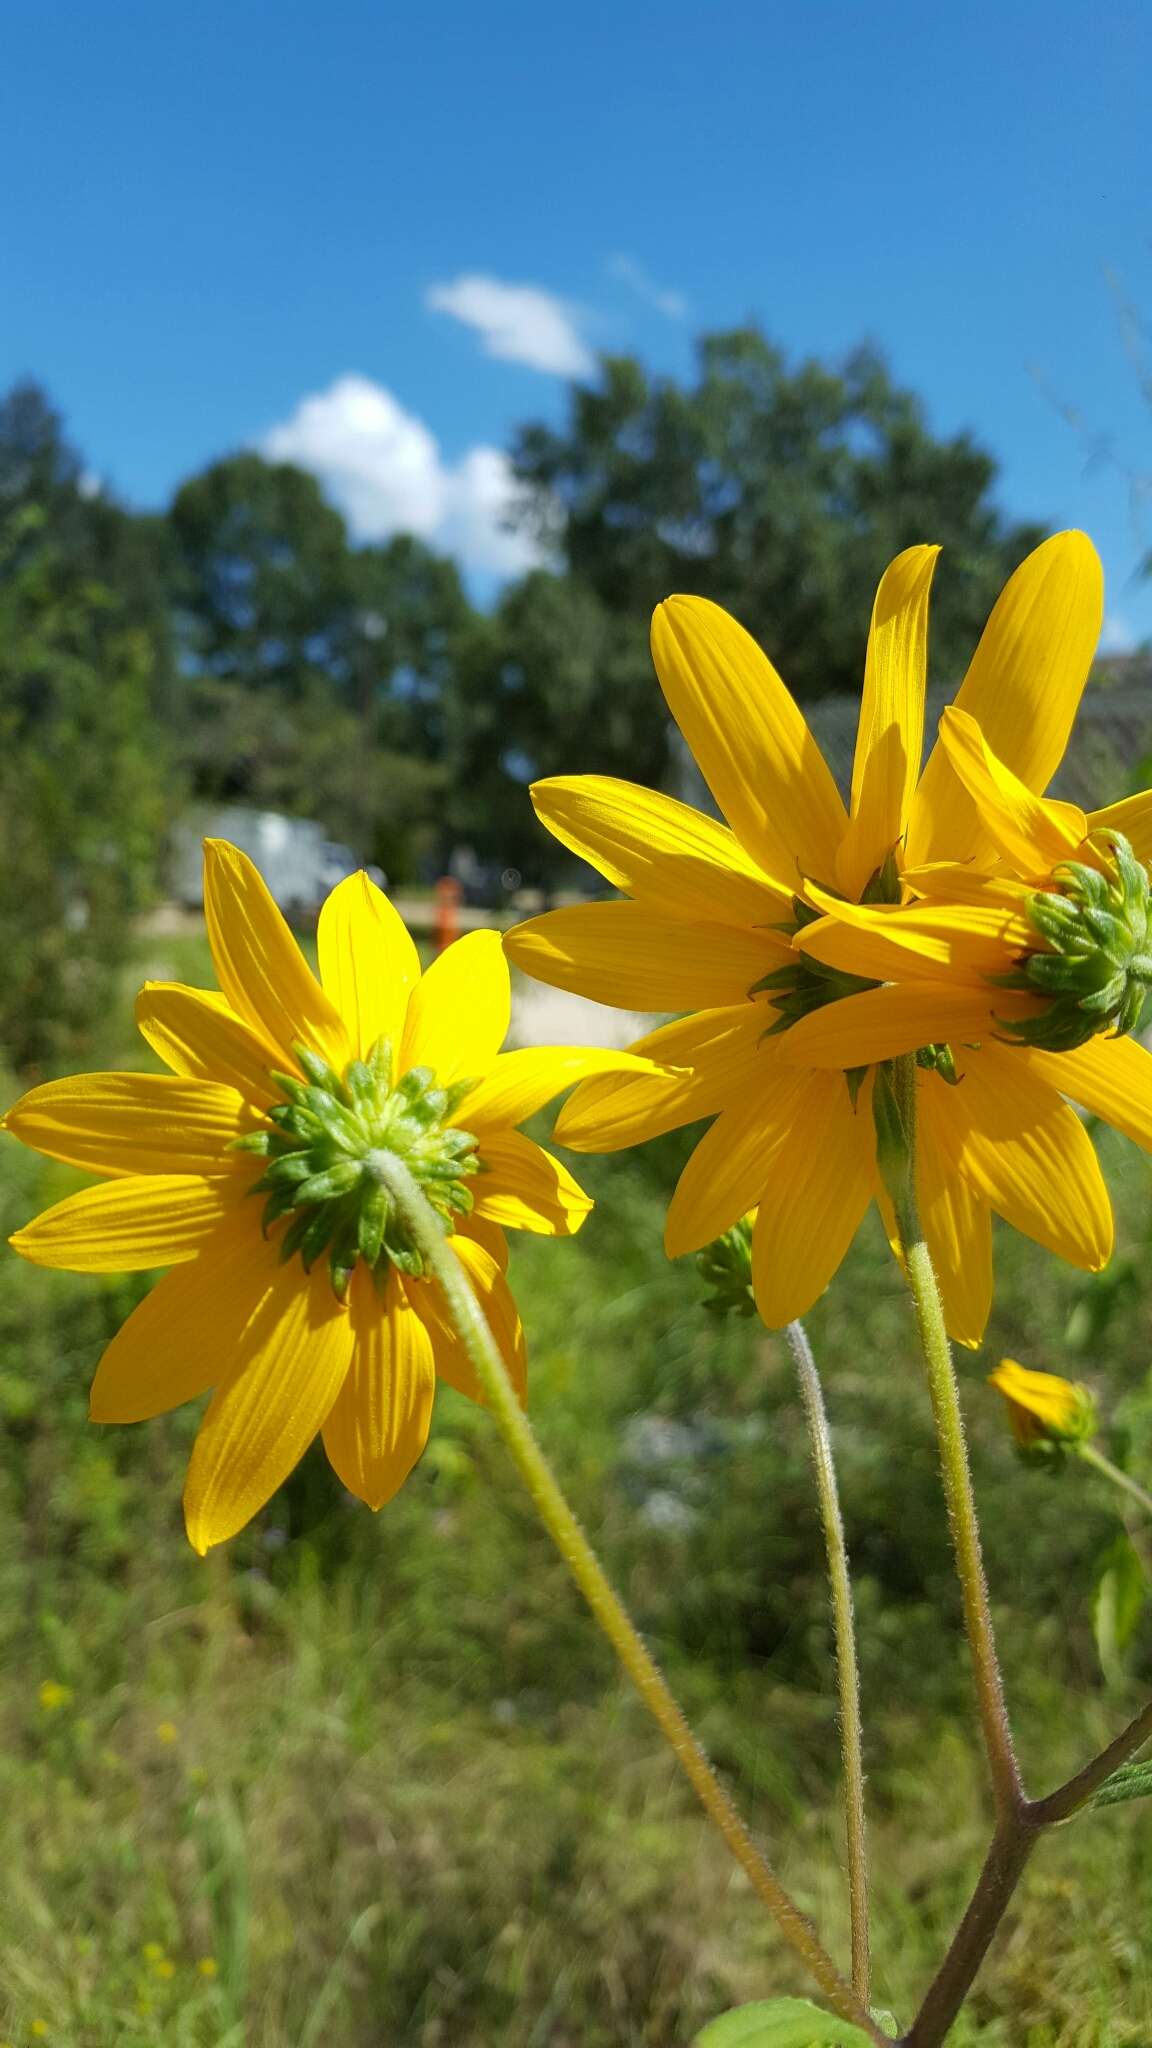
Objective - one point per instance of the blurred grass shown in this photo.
(377, 1775)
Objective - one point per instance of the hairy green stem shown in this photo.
(847, 1668)
(427, 1232)
(1068, 1799)
(1092, 1456)
(944, 1394)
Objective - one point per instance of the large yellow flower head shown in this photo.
(296, 1293)
(751, 926)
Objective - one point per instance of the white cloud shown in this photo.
(518, 322)
(385, 470)
(1117, 636)
(673, 305)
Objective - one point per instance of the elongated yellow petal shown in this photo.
(722, 1052)
(1110, 1077)
(727, 1172)
(130, 1225)
(283, 1373)
(820, 1183)
(368, 962)
(519, 1083)
(521, 1187)
(890, 737)
(953, 881)
(197, 1033)
(133, 1123)
(638, 959)
(901, 1017)
(181, 1339)
(750, 739)
(377, 1426)
(1026, 1154)
(495, 1297)
(922, 941)
(1023, 689)
(1133, 817)
(260, 967)
(664, 853)
(1031, 832)
(459, 1011)
(957, 1224)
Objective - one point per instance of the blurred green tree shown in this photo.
(779, 491)
(82, 791)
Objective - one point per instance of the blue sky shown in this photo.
(299, 221)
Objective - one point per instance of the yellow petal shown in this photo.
(130, 1225)
(377, 1426)
(283, 1373)
(496, 1299)
(1110, 1077)
(260, 967)
(1026, 1154)
(822, 1175)
(181, 1339)
(519, 1083)
(459, 1011)
(488, 1236)
(664, 853)
(921, 941)
(729, 1168)
(901, 1017)
(890, 737)
(722, 1052)
(638, 959)
(953, 881)
(521, 1187)
(957, 1224)
(1023, 689)
(1031, 832)
(750, 740)
(1054, 1401)
(368, 962)
(1133, 817)
(197, 1033)
(133, 1123)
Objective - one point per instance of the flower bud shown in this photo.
(1096, 925)
(1046, 1412)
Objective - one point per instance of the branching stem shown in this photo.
(427, 1232)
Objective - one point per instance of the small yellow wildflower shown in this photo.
(208, 1967)
(39, 2028)
(739, 924)
(1042, 1407)
(315, 1316)
(152, 1951)
(165, 1968)
(167, 1732)
(53, 1696)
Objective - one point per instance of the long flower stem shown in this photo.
(428, 1233)
(1092, 1456)
(944, 1394)
(847, 1668)
(1068, 1799)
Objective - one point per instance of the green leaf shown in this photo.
(1131, 1781)
(1117, 1603)
(780, 2023)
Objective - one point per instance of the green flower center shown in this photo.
(324, 1140)
(1096, 968)
(805, 984)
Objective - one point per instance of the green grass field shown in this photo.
(375, 1781)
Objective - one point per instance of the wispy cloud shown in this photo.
(1118, 637)
(519, 323)
(385, 470)
(626, 270)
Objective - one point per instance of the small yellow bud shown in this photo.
(39, 2028)
(152, 1951)
(1042, 1407)
(165, 1968)
(53, 1696)
(208, 1966)
(167, 1732)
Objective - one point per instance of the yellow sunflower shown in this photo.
(1043, 1407)
(296, 1293)
(719, 918)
